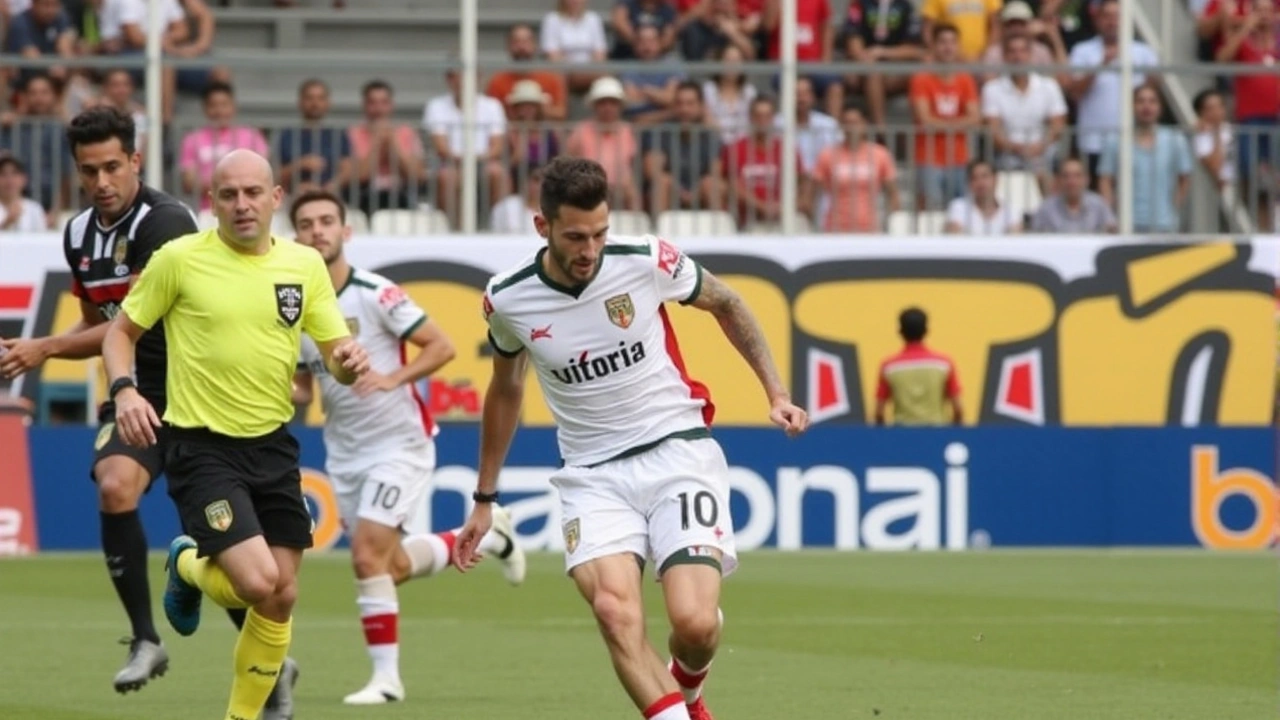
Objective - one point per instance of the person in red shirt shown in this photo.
(1257, 104)
(753, 168)
(947, 110)
(1219, 18)
(815, 43)
(919, 383)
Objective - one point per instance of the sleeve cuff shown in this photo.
(504, 353)
(697, 283)
(413, 328)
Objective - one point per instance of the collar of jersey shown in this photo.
(572, 292)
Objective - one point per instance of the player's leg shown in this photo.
(606, 540)
(123, 474)
(262, 669)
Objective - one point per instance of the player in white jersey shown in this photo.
(379, 443)
(642, 478)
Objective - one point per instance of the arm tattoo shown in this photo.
(743, 331)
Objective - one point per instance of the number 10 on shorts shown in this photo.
(701, 507)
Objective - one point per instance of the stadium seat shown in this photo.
(1020, 189)
(630, 222)
(63, 218)
(206, 220)
(281, 225)
(686, 223)
(423, 221)
(905, 222)
(358, 221)
(803, 227)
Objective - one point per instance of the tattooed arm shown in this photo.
(743, 331)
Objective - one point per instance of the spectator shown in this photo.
(753, 166)
(1072, 18)
(976, 23)
(631, 15)
(313, 155)
(1161, 168)
(203, 148)
(814, 130)
(1214, 141)
(514, 213)
(946, 109)
(606, 138)
(1097, 93)
(651, 87)
(36, 136)
(728, 96)
(1219, 18)
(682, 163)
(533, 144)
(117, 92)
(574, 35)
(193, 38)
(980, 212)
(18, 213)
(42, 30)
(815, 43)
(390, 161)
(122, 26)
(522, 47)
(713, 26)
(854, 174)
(1074, 208)
(1025, 113)
(876, 31)
(442, 119)
(918, 382)
(1017, 19)
(1257, 97)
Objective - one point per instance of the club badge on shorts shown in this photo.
(572, 534)
(621, 311)
(289, 303)
(219, 515)
(104, 434)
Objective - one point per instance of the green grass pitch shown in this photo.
(995, 635)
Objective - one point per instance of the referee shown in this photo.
(234, 302)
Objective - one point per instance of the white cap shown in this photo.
(605, 88)
(1017, 10)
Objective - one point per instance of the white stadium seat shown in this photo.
(630, 222)
(206, 220)
(905, 222)
(1020, 189)
(687, 223)
(358, 221)
(422, 221)
(803, 227)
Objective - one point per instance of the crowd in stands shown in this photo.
(1005, 151)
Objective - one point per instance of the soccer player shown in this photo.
(379, 443)
(106, 247)
(642, 478)
(234, 301)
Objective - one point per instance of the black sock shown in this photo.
(237, 616)
(125, 545)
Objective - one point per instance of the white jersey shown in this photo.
(358, 431)
(605, 354)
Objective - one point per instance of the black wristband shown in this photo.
(120, 384)
(485, 497)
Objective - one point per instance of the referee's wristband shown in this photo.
(120, 384)
(485, 497)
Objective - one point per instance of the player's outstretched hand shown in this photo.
(353, 357)
(466, 548)
(790, 417)
(136, 419)
(18, 355)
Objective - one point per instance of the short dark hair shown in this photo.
(214, 88)
(690, 86)
(309, 83)
(316, 195)
(945, 28)
(913, 324)
(100, 124)
(7, 160)
(763, 99)
(42, 77)
(577, 182)
(376, 85)
(1202, 97)
(973, 166)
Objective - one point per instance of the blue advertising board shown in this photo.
(843, 487)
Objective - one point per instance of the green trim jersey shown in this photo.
(605, 353)
(363, 431)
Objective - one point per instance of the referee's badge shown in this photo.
(621, 311)
(104, 434)
(289, 303)
(219, 515)
(572, 534)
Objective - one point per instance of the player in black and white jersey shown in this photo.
(106, 248)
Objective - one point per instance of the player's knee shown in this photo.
(696, 626)
(285, 596)
(257, 586)
(118, 491)
(621, 619)
(369, 561)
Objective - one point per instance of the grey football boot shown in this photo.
(147, 661)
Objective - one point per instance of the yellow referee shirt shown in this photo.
(233, 324)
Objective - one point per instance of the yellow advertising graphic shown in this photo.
(1153, 334)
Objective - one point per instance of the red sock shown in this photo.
(690, 682)
(380, 629)
(450, 538)
(667, 707)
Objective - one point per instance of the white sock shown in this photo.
(428, 553)
(671, 707)
(380, 614)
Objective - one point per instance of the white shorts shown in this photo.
(392, 492)
(665, 504)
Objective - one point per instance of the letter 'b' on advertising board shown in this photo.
(1211, 487)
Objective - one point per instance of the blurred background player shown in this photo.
(379, 448)
(919, 383)
(642, 478)
(235, 302)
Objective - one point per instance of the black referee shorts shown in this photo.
(109, 443)
(228, 490)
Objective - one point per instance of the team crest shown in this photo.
(104, 434)
(572, 534)
(621, 311)
(289, 303)
(219, 515)
(353, 324)
(122, 251)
